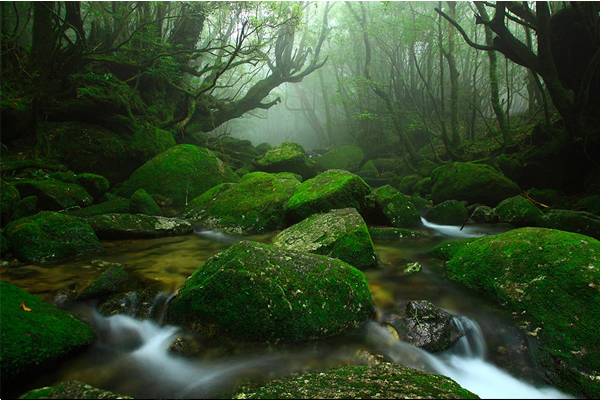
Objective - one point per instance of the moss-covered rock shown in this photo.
(407, 184)
(549, 197)
(237, 153)
(449, 212)
(340, 234)
(446, 251)
(347, 158)
(49, 237)
(475, 183)
(35, 334)
(368, 170)
(54, 195)
(550, 279)
(590, 204)
(106, 284)
(9, 197)
(137, 226)
(181, 173)
(71, 390)
(518, 211)
(142, 203)
(287, 157)
(330, 190)
(259, 292)
(385, 380)
(25, 207)
(393, 208)
(263, 147)
(484, 214)
(116, 205)
(423, 187)
(96, 185)
(573, 221)
(254, 205)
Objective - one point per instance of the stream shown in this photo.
(132, 357)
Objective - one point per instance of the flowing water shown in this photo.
(133, 357)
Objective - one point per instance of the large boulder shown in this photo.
(573, 221)
(449, 212)
(235, 152)
(54, 195)
(142, 203)
(96, 185)
(137, 226)
(393, 208)
(340, 234)
(181, 173)
(518, 211)
(9, 197)
(253, 205)
(347, 158)
(475, 183)
(116, 205)
(384, 380)
(50, 237)
(287, 157)
(549, 278)
(35, 334)
(258, 292)
(330, 190)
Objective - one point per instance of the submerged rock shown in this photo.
(449, 212)
(254, 205)
(393, 208)
(258, 292)
(137, 226)
(35, 334)
(385, 380)
(50, 237)
(71, 390)
(181, 173)
(286, 157)
(106, 284)
(340, 234)
(550, 279)
(330, 190)
(475, 183)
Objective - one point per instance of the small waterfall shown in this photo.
(454, 231)
(472, 344)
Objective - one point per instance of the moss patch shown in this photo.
(258, 292)
(518, 211)
(54, 195)
(142, 203)
(137, 226)
(449, 212)
(287, 157)
(71, 390)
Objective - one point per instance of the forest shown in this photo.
(300, 199)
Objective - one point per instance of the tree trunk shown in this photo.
(450, 57)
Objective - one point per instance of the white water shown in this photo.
(146, 367)
(455, 231)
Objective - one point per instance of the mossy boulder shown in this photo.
(407, 184)
(449, 212)
(50, 237)
(181, 173)
(71, 390)
(368, 170)
(116, 205)
(347, 158)
(263, 147)
(423, 187)
(286, 157)
(253, 205)
(549, 278)
(475, 183)
(548, 197)
(96, 185)
(484, 214)
(142, 203)
(257, 292)
(384, 380)
(25, 207)
(35, 334)
(393, 208)
(330, 190)
(137, 226)
(518, 211)
(573, 221)
(340, 234)
(590, 204)
(9, 197)
(235, 152)
(54, 195)
(106, 284)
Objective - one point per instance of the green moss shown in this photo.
(447, 250)
(287, 157)
(394, 208)
(590, 203)
(423, 186)
(385, 380)
(368, 170)
(149, 141)
(36, 339)
(94, 184)
(9, 197)
(117, 205)
(518, 211)
(254, 205)
(71, 390)
(48, 237)
(137, 226)
(550, 278)
(106, 284)
(330, 190)
(54, 195)
(142, 203)
(573, 221)
(475, 183)
(347, 158)
(258, 292)
(25, 207)
(449, 212)
(181, 173)
(407, 183)
(340, 234)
